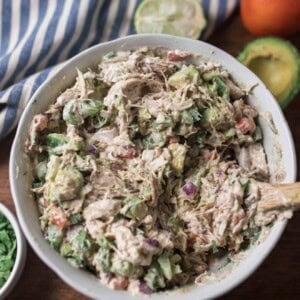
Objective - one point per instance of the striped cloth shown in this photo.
(37, 36)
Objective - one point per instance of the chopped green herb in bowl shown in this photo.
(12, 251)
(8, 249)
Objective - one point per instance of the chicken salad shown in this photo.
(147, 167)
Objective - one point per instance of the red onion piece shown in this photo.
(92, 149)
(152, 242)
(144, 288)
(190, 189)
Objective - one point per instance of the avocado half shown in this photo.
(277, 63)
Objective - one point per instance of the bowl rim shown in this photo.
(219, 290)
(20, 255)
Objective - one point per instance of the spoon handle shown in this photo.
(288, 197)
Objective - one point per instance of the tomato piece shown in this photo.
(119, 283)
(177, 55)
(191, 239)
(129, 153)
(57, 216)
(40, 122)
(172, 140)
(237, 217)
(245, 125)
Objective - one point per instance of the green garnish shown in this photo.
(8, 249)
(245, 183)
(252, 234)
(214, 247)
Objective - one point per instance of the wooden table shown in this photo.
(277, 278)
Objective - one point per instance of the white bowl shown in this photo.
(20, 180)
(20, 256)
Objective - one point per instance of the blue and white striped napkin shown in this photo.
(36, 36)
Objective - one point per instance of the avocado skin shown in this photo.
(278, 44)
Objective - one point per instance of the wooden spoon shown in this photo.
(279, 196)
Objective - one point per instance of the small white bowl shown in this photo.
(20, 256)
(279, 149)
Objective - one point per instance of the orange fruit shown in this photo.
(271, 17)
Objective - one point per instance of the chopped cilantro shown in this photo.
(8, 247)
(214, 247)
(245, 184)
(195, 113)
(252, 234)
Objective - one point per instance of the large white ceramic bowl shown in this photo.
(20, 179)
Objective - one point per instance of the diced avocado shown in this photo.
(187, 118)
(125, 268)
(219, 115)
(75, 218)
(134, 208)
(76, 249)
(165, 265)
(67, 185)
(154, 277)
(222, 88)
(52, 167)
(71, 114)
(155, 139)
(169, 265)
(277, 63)
(143, 114)
(122, 267)
(58, 142)
(143, 120)
(191, 115)
(103, 256)
(89, 107)
(185, 75)
(66, 249)
(81, 242)
(229, 133)
(77, 261)
(162, 122)
(76, 143)
(209, 75)
(54, 236)
(56, 139)
(75, 111)
(178, 152)
(175, 223)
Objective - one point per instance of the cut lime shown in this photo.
(175, 17)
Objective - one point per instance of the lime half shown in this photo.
(175, 17)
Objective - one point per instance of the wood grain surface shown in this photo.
(277, 278)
